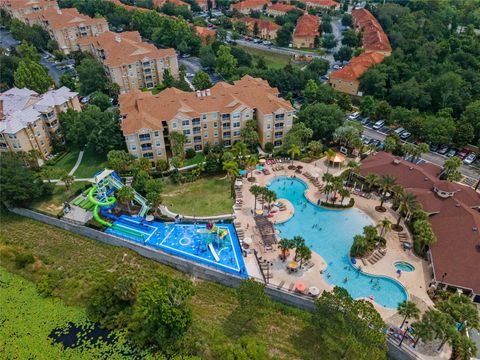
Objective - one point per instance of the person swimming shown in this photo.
(345, 280)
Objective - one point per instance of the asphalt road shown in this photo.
(193, 66)
(434, 158)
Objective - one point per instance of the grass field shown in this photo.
(273, 60)
(53, 203)
(204, 197)
(81, 262)
(91, 163)
(199, 157)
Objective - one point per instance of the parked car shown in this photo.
(267, 43)
(379, 124)
(470, 159)
(336, 67)
(325, 77)
(189, 75)
(451, 152)
(375, 142)
(462, 154)
(257, 41)
(185, 56)
(434, 147)
(443, 149)
(366, 140)
(398, 131)
(353, 116)
(365, 120)
(405, 135)
(85, 99)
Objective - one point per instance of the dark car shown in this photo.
(405, 135)
(452, 152)
(443, 149)
(375, 142)
(434, 147)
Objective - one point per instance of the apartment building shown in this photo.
(321, 4)
(306, 31)
(19, 9)
(129, 61)
(347, 80)
(207, 35)
(213, 116)
(159, 3)
(280, 9)
(204, 4)
(67, 26)
(247, 6)
(265, 29)
(27, 118)
(374, 38)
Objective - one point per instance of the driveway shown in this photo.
(193, 66)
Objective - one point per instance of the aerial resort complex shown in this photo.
(239, 179)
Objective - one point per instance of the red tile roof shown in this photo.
(307, 26)
(455, 220)
(323, 3)
(282, 7)
(374, 38)
(203, 32)
(357, 66)
(249, 4)
(262, 24)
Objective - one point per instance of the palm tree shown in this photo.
(463, 348)
(343, 193)
(353, 167)
(67, 180)
(329, 154)
(450, 168)
(31, 158)
(251, 163)
(421, 149)
(297, 242)
(409, 310)
(337, 184)
(231, 167)
(398, 190)
(327, 178)
(270, 196)
(256, 191)
(386, 226)
(372, 180)
(240, 149)
(294, 151)
(125, 195)
(423, 331)
(284, 245)
(386, 185)
(154, 199)
(304, 253)
(407, 203)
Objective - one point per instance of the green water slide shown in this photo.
(109, 201)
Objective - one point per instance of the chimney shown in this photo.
(199, 93)
(203, 93)
(59, 12)
(208, 92)
(118, 39)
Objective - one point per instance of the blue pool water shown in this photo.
(404, 266)
(189, 241)
(332, 238)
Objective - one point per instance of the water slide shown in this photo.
(214, 253)
(108, 202)
(138, 198)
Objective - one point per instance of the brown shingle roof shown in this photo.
(65, 18)
(374, 38)
(357, 66)
(145, 110)
(307, 26)
(249, 4)
(455, 220)
(125, 48)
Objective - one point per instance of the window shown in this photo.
(198, 147)
(157, 133)
(236, 124)
(268, 136)
(228, 143)
(144, 137)
(149, 85)
(186, 132)
(12, 136)
(196, 121)
(225, 117)
(236, 115)
(133, 147)
(147, 146)
(214, 115)
(236, 133)
(158, 143)
(204, 116)
(215, 124)
(215, 133)
(148, 155)
(226, 134)
(130, 137)
(197, 139)
(205, 125)
(185, 122)
(174, 125)
(159, 152)
(269, 126)
(247, 115)
(205, 135)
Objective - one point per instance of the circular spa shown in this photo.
(330, 233)
(404, 266)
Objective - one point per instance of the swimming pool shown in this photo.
(404, 266)
(191, 241)
(330, 233)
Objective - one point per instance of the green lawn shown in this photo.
(198, 158)
(91, 163)
(273, 60)
(67, 162)
(81, 261)
(28, 319)
(53, 203)
(204, 197)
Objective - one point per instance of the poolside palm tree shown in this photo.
(125, 195)
(463, 348)
(407, 203)
(409, 310)
(31, 157)
(329, 154)
(327, 178)
(231, 167)
(304, 253)
(240, 150)
(337, 184)
(297, 242)
(398, 191)
(256, 191)
(386, 185)
(423, 331)
(343, 193)
(68, 180)
(270, 196)
(294, 151)
(353, 167)
(327, 189)
(372, 180)
(251, 162)
(284, 245)
(386, 226)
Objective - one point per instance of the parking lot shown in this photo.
(375, 134)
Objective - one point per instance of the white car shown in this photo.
(189, 75)
(353, 116)
(470, 159)
(379, 124)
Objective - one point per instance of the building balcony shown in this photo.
(146, 148)
(144, 137)
(280, 117)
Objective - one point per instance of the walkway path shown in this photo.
(77, 164)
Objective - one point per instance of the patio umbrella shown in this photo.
(262, 161)
(292, 265)
(259, 212)
(149, 218)
(300, 286)
(238, 183)
(248, 240)
(242, 172)
(259, 168)
(313, 290)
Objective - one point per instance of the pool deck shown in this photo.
(416, 282)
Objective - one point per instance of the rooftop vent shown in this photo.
(474, 228)
(425, 178)
(208, 92)
(457, 204)
(396, 162)
(118, 39)
(199, 93)
(203, 93)
(411, 168)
